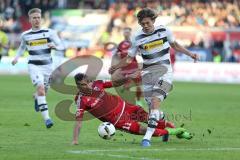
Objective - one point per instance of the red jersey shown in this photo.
(123, 48)
(100, 104)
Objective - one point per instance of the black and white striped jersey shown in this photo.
(154, 47)
(36, 42)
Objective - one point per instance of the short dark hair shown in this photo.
(34, 10)
(146, 12)
(79, 77)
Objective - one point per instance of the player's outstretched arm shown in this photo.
(124, 62)
(176, 46)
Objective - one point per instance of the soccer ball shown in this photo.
(106, 130)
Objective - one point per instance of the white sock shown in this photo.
(150, 129)
(42, 103)
(45, 115)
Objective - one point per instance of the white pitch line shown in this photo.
(155, 150)
(118, 156)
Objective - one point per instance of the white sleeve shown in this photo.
(56, 40)
(170, 36)
(132, 52)
(21, 48)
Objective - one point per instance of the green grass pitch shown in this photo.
(211, 111)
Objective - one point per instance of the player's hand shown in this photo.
(52, 46)
(195, 57)
(112, 69)
(14, 61)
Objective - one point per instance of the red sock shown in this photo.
(159, 132)
(170, 125)
(161, 124)
(135, 128)
(164, 124)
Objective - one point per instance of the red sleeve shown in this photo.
(107, 84)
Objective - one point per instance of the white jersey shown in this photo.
(36, 42)
(154, 47)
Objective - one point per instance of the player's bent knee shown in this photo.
(41, 90)
(41, 93)
(155, 101)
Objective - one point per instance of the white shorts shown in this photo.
(157, 82)
(40, 74)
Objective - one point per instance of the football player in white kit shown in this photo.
(39, 42)
(153, 42)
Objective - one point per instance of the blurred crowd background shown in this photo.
(210, 28)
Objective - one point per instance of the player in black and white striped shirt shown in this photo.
(39, 42)
(153, 42)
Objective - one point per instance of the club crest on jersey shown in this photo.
(153, 45)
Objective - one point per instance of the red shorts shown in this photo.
(131, 117)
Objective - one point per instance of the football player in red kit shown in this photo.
(120, 53)
(111, 108)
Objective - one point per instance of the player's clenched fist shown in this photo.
(195, 57)
(14, 62)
